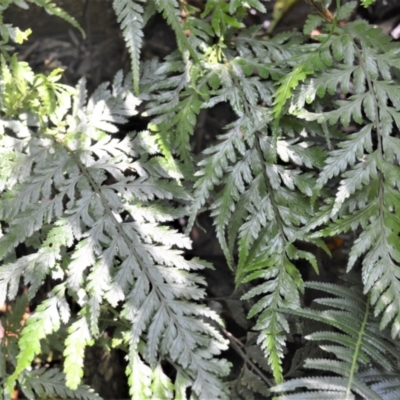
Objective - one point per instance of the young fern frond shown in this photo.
(353, 338)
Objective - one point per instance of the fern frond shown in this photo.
(26, 92)
(386, 384)
(47, 319)
(130, 17)
(257, 209)
(220, 18)
(52, 9)
(356, 344)
(174, 103)
(139, 377)
(256, 4)
(170, 11)
(79, 195)
(215, 166)
(367, 3)
(79, 337)
(51, 382)
(94, 211)
(285, 89)
(364, 160)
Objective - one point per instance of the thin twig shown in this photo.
(238, 349)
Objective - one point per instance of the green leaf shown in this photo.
(285, 89)
(367, 3)
(46, 320)
(79, 337)
(130, 17)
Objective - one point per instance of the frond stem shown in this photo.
(354, 363)
(274, 204)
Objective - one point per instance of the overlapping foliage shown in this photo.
(311, 152)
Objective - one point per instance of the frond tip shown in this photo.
(130, 17)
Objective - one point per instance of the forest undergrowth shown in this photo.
(90, 242)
